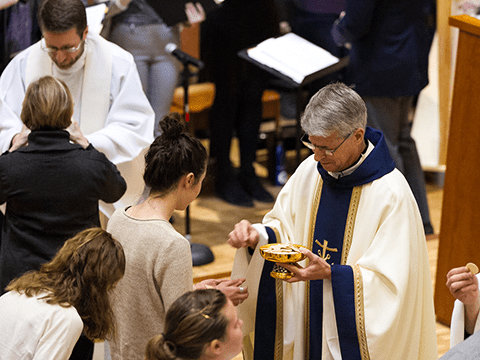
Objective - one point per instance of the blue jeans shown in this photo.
(158, 70)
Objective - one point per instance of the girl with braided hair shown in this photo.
(44, 311)
(200, 325)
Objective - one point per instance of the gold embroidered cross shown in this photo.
(325, 249)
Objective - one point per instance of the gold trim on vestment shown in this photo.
(279, 330)
(247, 351)
(347, 242)
(350, 224)
(313, 217)
(277, 234)
(360, 312)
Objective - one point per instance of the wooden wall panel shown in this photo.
(459, 237)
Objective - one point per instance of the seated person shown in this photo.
(44, 312)
(201, 324)
(51, 186)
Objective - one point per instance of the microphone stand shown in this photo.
(201, 254)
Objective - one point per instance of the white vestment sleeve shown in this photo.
(12, 92)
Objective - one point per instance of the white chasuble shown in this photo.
(378, 304)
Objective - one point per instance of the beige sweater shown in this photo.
(158, 271)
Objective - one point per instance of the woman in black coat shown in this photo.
(52, 185)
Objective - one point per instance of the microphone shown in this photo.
(183, 57)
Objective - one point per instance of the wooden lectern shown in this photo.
(459, 241)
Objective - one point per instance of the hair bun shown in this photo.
(170, 349)
(172, 126)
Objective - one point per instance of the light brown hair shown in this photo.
(193, 321)
(48, 104)
(80, 275)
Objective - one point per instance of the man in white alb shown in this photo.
(111, 109)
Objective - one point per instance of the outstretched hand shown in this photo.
(317, 268)
(463, 285)
(243, 235)
(232, 289)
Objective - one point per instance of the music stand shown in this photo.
(201, 254)
(285, 83)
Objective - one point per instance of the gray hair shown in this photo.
(334, 108)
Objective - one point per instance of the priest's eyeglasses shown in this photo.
(312, 147)
(53, 49)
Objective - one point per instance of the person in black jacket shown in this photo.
(390, 41)
(237, 109)
(52, 185)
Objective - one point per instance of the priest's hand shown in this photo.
(20, 139)
(76, 135)
(463, 285)
(317, 268)
(243, 235)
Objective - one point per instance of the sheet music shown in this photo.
(95, 15)
(293, 56)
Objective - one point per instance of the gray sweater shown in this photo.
(158, 271)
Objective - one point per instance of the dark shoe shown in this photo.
(428, 228)
(233, 193)
(255, 189)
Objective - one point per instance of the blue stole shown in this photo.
(328, 243)
(266, 314)
(330, 232)
(330, 227)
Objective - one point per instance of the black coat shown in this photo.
(51, 188)
(390, 41)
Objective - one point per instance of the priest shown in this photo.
(111, 109)
(364, 290)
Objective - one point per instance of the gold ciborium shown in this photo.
(281, 253)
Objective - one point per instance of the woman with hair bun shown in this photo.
(159, 260)
(44, 311)
(200, 325)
